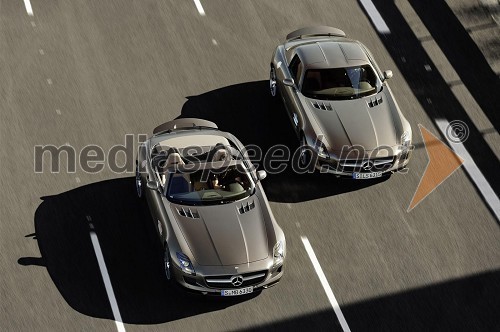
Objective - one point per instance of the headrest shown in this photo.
(174, 159)
(221, 155)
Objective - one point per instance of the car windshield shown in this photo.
(339, 83)
(215, 183)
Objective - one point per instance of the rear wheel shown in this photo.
(272, 82)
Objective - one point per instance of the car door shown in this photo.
(154, 199)
(290, 95)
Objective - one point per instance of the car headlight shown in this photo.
(406, 139)
(278, 253)
(185, 263)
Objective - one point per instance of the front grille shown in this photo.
(224, 281)
(361, 166)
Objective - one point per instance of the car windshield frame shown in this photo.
(204, 188)
(342, 83)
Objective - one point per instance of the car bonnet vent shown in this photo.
(245, 207)
(188, 213)
(375, 101)
(322, 105)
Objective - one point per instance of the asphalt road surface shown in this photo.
(90, 72)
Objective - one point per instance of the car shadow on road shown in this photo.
(466, 304)
(248, 111)
(133, 256)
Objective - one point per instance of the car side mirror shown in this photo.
(152, 185)
(261, 175)
(289, 82)
(387, 74)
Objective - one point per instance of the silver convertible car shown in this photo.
(209, 209)
(340, 105)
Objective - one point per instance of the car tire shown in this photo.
(167, 265)
(138, 182)
(305, 154)
(273, 85)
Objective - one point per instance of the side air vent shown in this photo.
(322, 106)
(375, 101)
(188, 213)
(246, 207)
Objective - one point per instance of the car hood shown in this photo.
(222, 234)
(356, 122)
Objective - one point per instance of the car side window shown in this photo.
(296, 68)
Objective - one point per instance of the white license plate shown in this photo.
(236, 292)
(360, 176)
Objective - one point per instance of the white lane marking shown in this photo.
(324, 283)
(474, 172)
(33, 24)
(214, 41)
(41, 51)
(427, 67)
(58, 111)
(49, 81)
(199, 7)
(375, 16)
(107, 281)
(29, 10)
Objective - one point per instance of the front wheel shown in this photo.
(305, 154)
(138, 183)
(167, 264)
(272, 82)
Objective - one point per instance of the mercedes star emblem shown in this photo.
(237, 280)
(367, 165)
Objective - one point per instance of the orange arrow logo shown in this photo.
(442, 163)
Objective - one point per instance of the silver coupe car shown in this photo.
(209, 209)
(340, 104)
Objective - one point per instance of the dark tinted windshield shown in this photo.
(205, 187)
(339, 83)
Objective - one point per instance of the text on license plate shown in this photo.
(236, 292)
(358, 176)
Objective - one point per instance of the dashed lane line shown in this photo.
(324, 283)
(105, 277)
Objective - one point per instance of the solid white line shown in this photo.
(199, 7)
(29, 10)
(474, 172)
(324, 283)
(375, 16)
(107, 282)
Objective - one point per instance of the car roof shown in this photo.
(331, 54)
